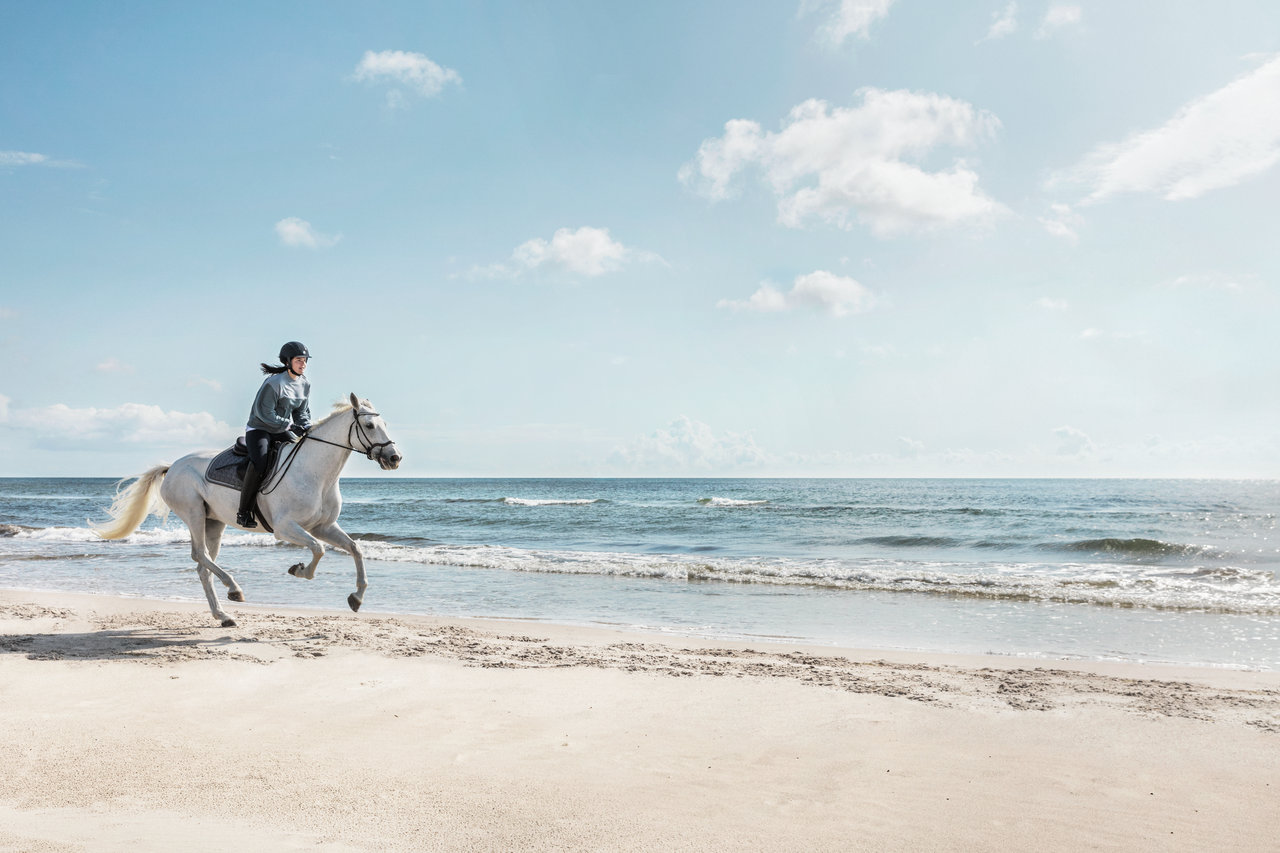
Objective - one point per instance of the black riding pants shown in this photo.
(259, 442)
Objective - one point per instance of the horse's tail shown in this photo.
(131, 506)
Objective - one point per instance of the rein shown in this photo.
(367, 446)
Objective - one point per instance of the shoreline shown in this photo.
(135, 724)
(196, 617)
(904, 654)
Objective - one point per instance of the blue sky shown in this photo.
(857, 238)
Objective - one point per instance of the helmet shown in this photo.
(292, 350)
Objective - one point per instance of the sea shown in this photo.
(1165, 571)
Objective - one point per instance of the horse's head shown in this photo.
(370, 435)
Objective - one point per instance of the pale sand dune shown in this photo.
(137, 725)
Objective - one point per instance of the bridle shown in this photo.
(356, 430)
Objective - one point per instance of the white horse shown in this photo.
(299, 498)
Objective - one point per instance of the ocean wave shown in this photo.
(1140, 548)
(1219, 590)
(150, 536)
(550, 501)
(728, 502)
(7, 530)
(913, 541)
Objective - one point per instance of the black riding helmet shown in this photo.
(292, 350)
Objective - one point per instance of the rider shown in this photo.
(280, 413)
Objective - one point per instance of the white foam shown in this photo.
(1110, 585)
(153, 536)
(729, 502)
(536, 502)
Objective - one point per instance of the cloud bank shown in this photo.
(60, 427)
(688, 446)
(844, 164)
(836, 295)
(1212, 142)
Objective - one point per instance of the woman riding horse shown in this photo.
(281, 412)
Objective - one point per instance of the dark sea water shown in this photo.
(1144, 570)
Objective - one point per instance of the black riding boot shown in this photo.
(249, 491)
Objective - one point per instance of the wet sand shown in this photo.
(142, 725)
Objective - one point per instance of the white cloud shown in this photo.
(1063, 224)
(200, 380)
(1058, 16)
(298, 232)
(587, 251)
(1071, 441)
(843, 162)
(411, 69)
(1005, 24)
(1214, 280)
(21, 158)
(25, 158)
(687, 445)
(851, 18)
(1091, 333)
(910, 448)
(113, 365)
(7, 313)
(1212, 142)
(1052, 304)
(835, 294)
(61, 427)
(4, 408)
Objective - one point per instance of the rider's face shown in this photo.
(298, 365)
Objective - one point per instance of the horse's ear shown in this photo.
(355, 402)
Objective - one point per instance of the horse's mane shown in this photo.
(341, 406)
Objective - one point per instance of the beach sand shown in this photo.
(140, 725)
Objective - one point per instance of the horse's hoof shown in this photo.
(235, 595)
(228, 623)
(354, 602)
(296, 570)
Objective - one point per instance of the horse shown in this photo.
(299, 498)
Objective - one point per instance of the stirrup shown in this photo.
(245, 519)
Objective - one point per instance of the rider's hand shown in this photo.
(295, 433)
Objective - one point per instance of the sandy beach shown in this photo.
(139, 725)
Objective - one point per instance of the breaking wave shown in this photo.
(1139, 548)
(550, 502)
(1227, 590)
(150, 536)
(728, 502)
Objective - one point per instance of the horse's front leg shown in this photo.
(291, 531)
(338, 538)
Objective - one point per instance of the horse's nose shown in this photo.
(395, 459)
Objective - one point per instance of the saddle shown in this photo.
(229, 466)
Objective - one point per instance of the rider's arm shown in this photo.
(302, 414)
(264, 409)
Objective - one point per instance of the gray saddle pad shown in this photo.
(222, 470)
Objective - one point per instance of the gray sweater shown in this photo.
(281, 401)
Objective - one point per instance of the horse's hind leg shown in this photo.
(195, 521)
(213, 543)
